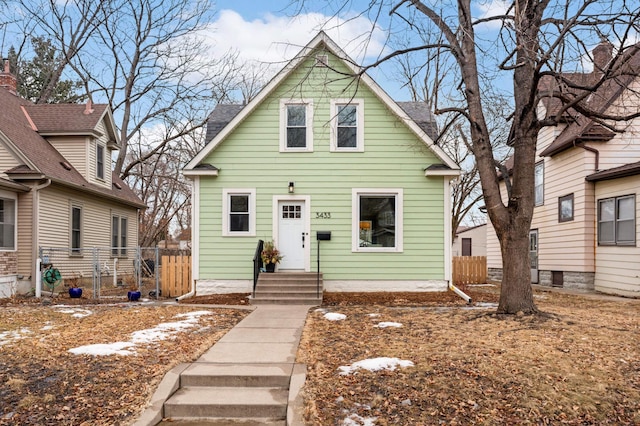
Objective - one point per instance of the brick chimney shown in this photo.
(602, 54)
(7, 79)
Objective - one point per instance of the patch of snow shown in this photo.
(374, 315)
(104, 349)
(76, 312)
(333, 316)
(7, 337)
(375, 364)
(356, 420)
(388, 324)
(162, 331)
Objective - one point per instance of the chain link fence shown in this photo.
(104, 272)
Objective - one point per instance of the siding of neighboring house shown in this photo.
(55, 222)
(617, 267)
(562, 246)
(7, 160)
(25, 234)
(393, 157)
(74, 150)
(478, 237)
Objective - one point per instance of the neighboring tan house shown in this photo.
(584, 232)
(56, 184)
(315, 151)
(470, 241)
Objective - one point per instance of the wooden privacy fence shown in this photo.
(469, 270)
(176, 275)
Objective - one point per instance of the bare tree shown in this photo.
(534, 44)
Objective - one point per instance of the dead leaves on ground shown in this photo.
(45, 384)
(579, 363)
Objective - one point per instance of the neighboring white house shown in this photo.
(470, 241)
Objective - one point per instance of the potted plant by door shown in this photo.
(270, 256)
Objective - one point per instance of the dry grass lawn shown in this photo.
(577, 363)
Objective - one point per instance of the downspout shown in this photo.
(36, 234)
(459, 292)
(195, 240)
(590, 149)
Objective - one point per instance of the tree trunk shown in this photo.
(516, 294)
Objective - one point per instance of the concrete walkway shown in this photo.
(256, 359)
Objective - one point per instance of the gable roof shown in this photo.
(40, 160)
(320, 40)
(419, 112)
(581, 128)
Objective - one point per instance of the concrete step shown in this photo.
(197, 402)
(224, 422)
(268, 294)
(310, 301)
(237, 375)
(287, 287)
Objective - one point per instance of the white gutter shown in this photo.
(459, 292)
(36, 234)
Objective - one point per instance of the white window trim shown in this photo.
(79, 206)
(541, 201)
(308, 103)
(355, 215)
(359, 103)
(251, 192)
(104, 162)
(12, 196)
(121, 251)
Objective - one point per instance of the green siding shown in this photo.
(393, 158)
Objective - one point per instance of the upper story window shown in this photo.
(7, 224)
(347, 125)
(616, 221)
(565, 208)
(76, 229)
(296, 125)
(239, 212)
(377, 220)
(539, 184)
(100, 161)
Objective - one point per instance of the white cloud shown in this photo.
(275, 39)
(490, 8)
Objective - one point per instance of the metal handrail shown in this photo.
(257, 265)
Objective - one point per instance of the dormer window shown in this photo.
(100, 161)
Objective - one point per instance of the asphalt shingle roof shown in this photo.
(39, 156)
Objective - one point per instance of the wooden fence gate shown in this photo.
(469, 270)
(176, 275)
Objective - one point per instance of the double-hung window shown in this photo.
(377, 220)
(616, 221)
(565, 208)
(76, 230)
(347, 125)
(296, 125)
(118, 235)
(7, 224)
(239, 212)
(100, 161)
(539, 184)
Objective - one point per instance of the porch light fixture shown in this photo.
(291, 187)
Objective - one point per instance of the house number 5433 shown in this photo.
(323, 215)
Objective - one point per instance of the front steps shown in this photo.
(231, 394)
(288, 288)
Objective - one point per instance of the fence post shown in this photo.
(156, 273)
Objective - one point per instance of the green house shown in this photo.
(321, 151)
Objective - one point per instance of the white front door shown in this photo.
(292, 235)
